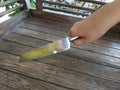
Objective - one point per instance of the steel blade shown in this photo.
(52, 48)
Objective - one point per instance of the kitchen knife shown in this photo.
(52, 48)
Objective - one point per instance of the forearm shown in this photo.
(107, 16)
(97, 24)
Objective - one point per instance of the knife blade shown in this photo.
(52, 48)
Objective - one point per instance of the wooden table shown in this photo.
(94, 66)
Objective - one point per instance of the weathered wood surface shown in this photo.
(56, 18)
(15, 81)
(94, 66)
(57, 75)
(5, 26)
(67, 20)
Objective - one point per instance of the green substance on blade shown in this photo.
(43, 51)
(52, 48)
(37, 53)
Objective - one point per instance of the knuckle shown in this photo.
(72, 31)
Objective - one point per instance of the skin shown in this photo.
(97, 24)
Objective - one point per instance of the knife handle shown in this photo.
(74, 38)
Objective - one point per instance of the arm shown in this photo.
(97, 24)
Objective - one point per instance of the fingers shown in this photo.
(77, 29)
(80, 41)
(72, 32)
(77, 32)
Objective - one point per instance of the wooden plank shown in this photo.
(5, 26)
(38, 10)
(71, 20)
(88, 47)
(100, 49)
(68, 78)
(38, 35)
(11, 81)
(78, 65)
(112, 37)
(56, 17)
(77, 53)
(57, 75)
(107, 43)
(15, 81)
(44, 36)
(39, 6)
(29, 41)
(44, 29)
(11, 48)
(2, 87)
(68, 21)
(66, 27)
(48, 23)
(63, 33)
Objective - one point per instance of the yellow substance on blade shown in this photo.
(38, 53)
(47, 50)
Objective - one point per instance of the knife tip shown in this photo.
(23, 59)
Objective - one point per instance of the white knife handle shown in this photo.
(73, 38)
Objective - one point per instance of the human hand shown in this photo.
(88, 30)
(97, 24)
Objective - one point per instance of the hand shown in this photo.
(97, 24)
(88, 29)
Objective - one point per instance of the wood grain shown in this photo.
(69, 21)
(63, 32)
(94, 66)
(6, 26)
(89, 47)
(112, 61)
(45, 29)
(56, 17)
(15, 81)
(63, 26)
(70, 63)
(57, 75)
(107, 55)
(39, 35)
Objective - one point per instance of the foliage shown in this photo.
(12, 5)
(32, 4)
